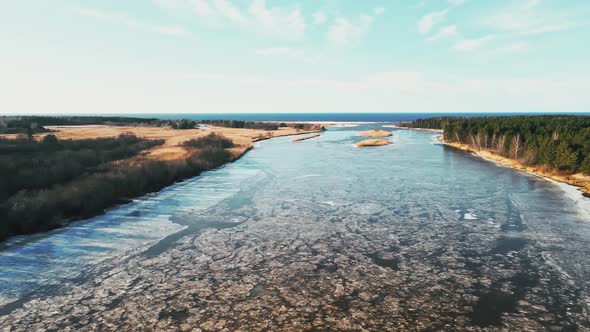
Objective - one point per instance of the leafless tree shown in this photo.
(501, 143)
(493, 142)
(516, 146)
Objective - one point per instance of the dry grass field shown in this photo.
(173, 148)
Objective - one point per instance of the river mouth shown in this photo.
(321, 235)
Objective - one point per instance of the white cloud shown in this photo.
(526, 24)
(428, 21)
(444, 32)
(229, 11)
(288, 22)
(344, 32)
(202, 8)
(348, 32)
(168, 4)
(529, 18)
(288, 53)
(472, 44)
(124, 19)
(319, 18)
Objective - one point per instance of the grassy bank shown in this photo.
(57, 169)
(45, 184)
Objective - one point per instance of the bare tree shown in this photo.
(493, 142)
(516, 146)
(501, 143)
(475, 142)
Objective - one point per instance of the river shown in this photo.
(318, 235)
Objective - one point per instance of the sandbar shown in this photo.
(373, 142)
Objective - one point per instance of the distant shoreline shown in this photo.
(417, 129)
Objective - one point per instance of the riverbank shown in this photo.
(75, 179)
(580, 181)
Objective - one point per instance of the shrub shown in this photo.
(45, 188)
(212, 140)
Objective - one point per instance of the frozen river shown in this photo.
(317, 235)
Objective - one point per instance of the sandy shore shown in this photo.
(418, 129)
(343, 125)
(579, 180)
(303, 138)
(375, 133)
(373, 142)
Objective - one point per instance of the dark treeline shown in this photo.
(259, 124)
(556, 142)
(243, 124)
(36, 124)
(32, 165)
(46, 184)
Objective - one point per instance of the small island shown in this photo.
(373, 142)
(375, 133)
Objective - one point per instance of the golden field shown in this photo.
(173, 148)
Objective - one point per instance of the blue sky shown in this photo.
(175, 56)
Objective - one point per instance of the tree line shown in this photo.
(45, 184)
(557, 142)
(36, 124)
(29, 125)
(261, 125)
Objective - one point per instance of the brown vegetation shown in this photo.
(173, 147)
(78, 171)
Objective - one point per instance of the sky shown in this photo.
(275, 56)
